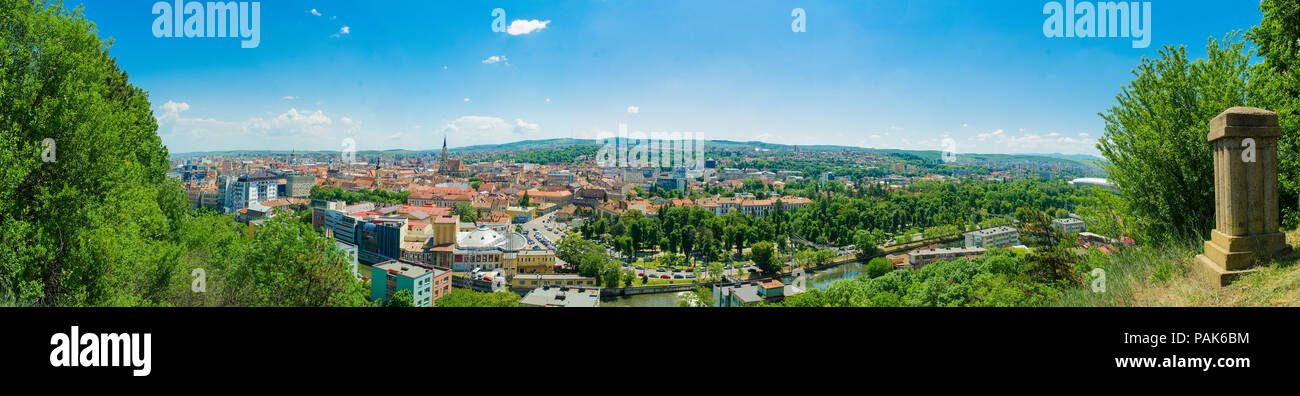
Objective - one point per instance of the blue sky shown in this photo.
(885, 74)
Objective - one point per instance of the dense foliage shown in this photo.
(331, 193)
(469, 298)
(94, 221)
(1001, 278)
(1278, 42)
(571, 154)
(1155, 135)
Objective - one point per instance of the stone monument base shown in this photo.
(1228, 258)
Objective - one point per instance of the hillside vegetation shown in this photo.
(1164, 277)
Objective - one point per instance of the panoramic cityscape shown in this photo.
(217, 191)
(646, 155)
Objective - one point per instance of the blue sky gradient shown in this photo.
(885, 74)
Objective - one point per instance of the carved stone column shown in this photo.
(1245, 195)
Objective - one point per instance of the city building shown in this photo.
(380, 239)
(533, 281)
(351, 251)
(250, 189)
(480, 281)
(748, 293)
(1069, 225)
(299, 186)
(559, 178)
(992, 237)
(921, 258)
(562, 296)
(1089, 182)
(426, 283)
(484, 248)
(534, 262)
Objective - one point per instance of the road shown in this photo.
(539, 236)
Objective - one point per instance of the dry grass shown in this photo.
(1149, 277)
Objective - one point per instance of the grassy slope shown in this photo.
(1163, 277)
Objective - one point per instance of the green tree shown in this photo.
(290, 264)
(95, 225)
(715, 270)
(401, 299)
(878, 267)
(468, 298)
(466, 212)
(1276, 39)
(764, 258)
(1154, 143)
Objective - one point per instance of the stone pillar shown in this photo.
(1244, 140)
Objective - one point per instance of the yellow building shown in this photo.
(532, 281)
(535, 262)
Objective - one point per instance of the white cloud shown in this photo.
(486, 129)
(292, 123)
(345, 30)
(495, 59)
(985, 136)
(548, 100)
(521, 126)
(466, 100)
(634, 109)
(172, 110)
(293, 127)
(314, 12)
(291, 97)
(964, 125)
(520, 26)
(1083, 134)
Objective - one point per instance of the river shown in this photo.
(819, 280)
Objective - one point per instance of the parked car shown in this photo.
(678, 277)
(663, 277)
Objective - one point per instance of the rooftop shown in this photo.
(993, 231)
(562, 296)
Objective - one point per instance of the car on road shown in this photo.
(640, 267)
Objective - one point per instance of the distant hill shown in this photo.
(542, 144)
